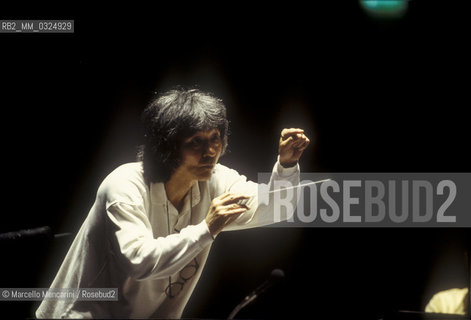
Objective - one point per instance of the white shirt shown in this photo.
(125, 242)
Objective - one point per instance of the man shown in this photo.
(151, 227)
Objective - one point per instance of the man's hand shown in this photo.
(223, 210)
(292, 144)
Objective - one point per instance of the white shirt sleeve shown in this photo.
(265, 207)
(144, 257)
(131, 235)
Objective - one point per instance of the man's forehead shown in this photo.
(204, 133)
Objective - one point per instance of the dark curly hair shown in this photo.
(169, 119)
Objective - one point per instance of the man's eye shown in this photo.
(215, 139)
(195, 142)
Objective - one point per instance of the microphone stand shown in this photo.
(275, 276)
(240, 306)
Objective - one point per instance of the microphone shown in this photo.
(275, 277)
(41, 233)
(33, 234)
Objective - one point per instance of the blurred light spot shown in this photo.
(385, 8)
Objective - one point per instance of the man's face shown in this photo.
(200, 153)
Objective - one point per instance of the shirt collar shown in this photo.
(159, 196)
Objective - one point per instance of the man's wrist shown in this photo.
(284, 170)
(287, 165)
(209, 229)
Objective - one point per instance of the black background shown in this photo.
(373, 95)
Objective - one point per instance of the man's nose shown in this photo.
(209, 150)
